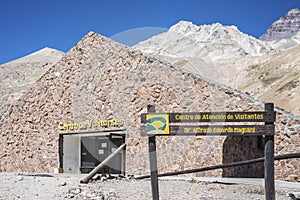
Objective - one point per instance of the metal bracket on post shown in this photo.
(269, 159)
(153, 160)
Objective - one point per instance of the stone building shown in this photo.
(90, 102)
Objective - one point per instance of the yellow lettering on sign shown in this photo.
(186, 130)
(249, 116)
(223, 130)
(91, 124)
(184, 117)
(202, 130)
(213, 117)
(61, 126)
(244, 130)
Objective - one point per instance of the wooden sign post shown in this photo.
(269, 158)
(160, 124)
(153, 160)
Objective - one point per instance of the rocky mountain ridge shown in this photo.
(210, 42)
(45, 55)
(284, 28)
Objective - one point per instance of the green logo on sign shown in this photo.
(157, 124)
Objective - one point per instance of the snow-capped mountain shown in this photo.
(210, 42)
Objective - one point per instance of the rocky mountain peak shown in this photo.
(184, 27)
(286, 27)
(294, 11)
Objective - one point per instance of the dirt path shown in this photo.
(63, 186)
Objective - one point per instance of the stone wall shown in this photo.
(287, 140)
(101, 79)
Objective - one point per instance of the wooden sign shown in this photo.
(229, 123)
(161, 123)
(214, 130)
(194, 117)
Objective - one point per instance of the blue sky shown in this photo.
(29, 25)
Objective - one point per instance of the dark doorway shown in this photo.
(240, 148)
(116, 165)
(94, 149)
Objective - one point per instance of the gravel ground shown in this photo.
(65, 186)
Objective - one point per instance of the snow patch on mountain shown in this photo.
(286, 43)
